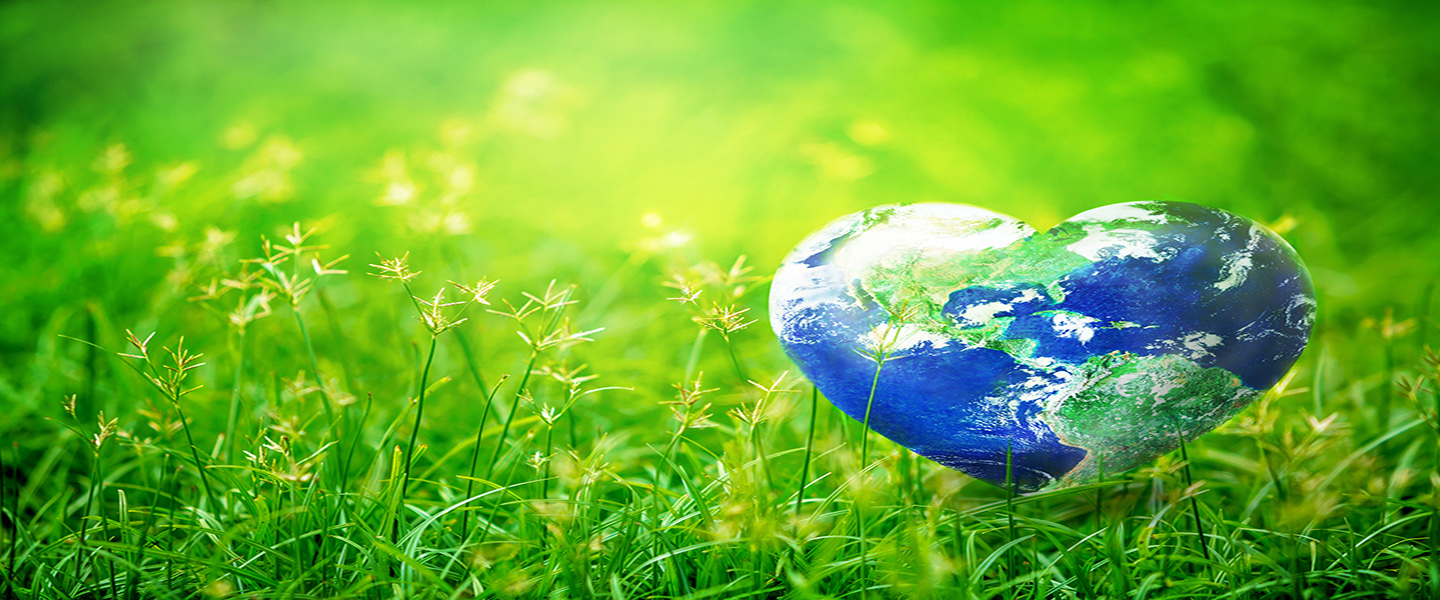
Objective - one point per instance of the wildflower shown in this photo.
(1388, 327)
(395, 268)
(291, 285)
(210, 292)
(761, 410)
(554, 331)
(560, 337)
(881, 343)
(737, 278)
(432, 313)
(107, 430)
(298, 387)
(724, 319)
(139, 345)
(687, 399)
(690, 289)
(478, 291)
(570, 378)
(327, 268)
(163, 424)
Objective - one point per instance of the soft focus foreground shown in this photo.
(326, 223)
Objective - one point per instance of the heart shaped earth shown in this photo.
(1099, 344)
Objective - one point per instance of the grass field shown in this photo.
(227, 370)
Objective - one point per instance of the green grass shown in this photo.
(610, 420)
(589, 490)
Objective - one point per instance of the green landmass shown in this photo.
(1124, 409)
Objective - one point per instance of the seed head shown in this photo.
(432, 313)
(395, 268)
(107, 429)
(725, 319)
(477, 292)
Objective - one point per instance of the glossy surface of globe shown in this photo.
(1099, 344)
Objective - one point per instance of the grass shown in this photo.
(782, 499)
(600, 415)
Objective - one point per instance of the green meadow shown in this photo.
(468, 299)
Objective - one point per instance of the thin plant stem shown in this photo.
(495, 509)
(570, 423)
(315, 369)
(364, 418)
(1387, 391)
(419, 413)
(170, 520)
(510, 418)
(734, 360)
(85, 514)
(194, 451)
(545, 481)
(232, 423)
(475, 455)
(143, 534)
(472, 364)
(1194, 503)
(809, 448)
(762, 465)
(105, 526)
(869, 403)
(864, 463)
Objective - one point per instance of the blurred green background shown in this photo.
(526, 141)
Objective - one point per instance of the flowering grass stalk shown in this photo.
(883, 347)
(475, 454)
(435, 315)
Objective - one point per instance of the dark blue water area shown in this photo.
(1148, 307)
(1262, 331)
(932, 400)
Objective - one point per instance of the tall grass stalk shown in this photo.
(809, 450)
(881, 350)
(473, 366)
(232, 424)
(319, 382)
(734, 359)
(510, 416)
(860, 507)
(475, 454)
(1194, 500)
(419, 414)
(174, 386)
